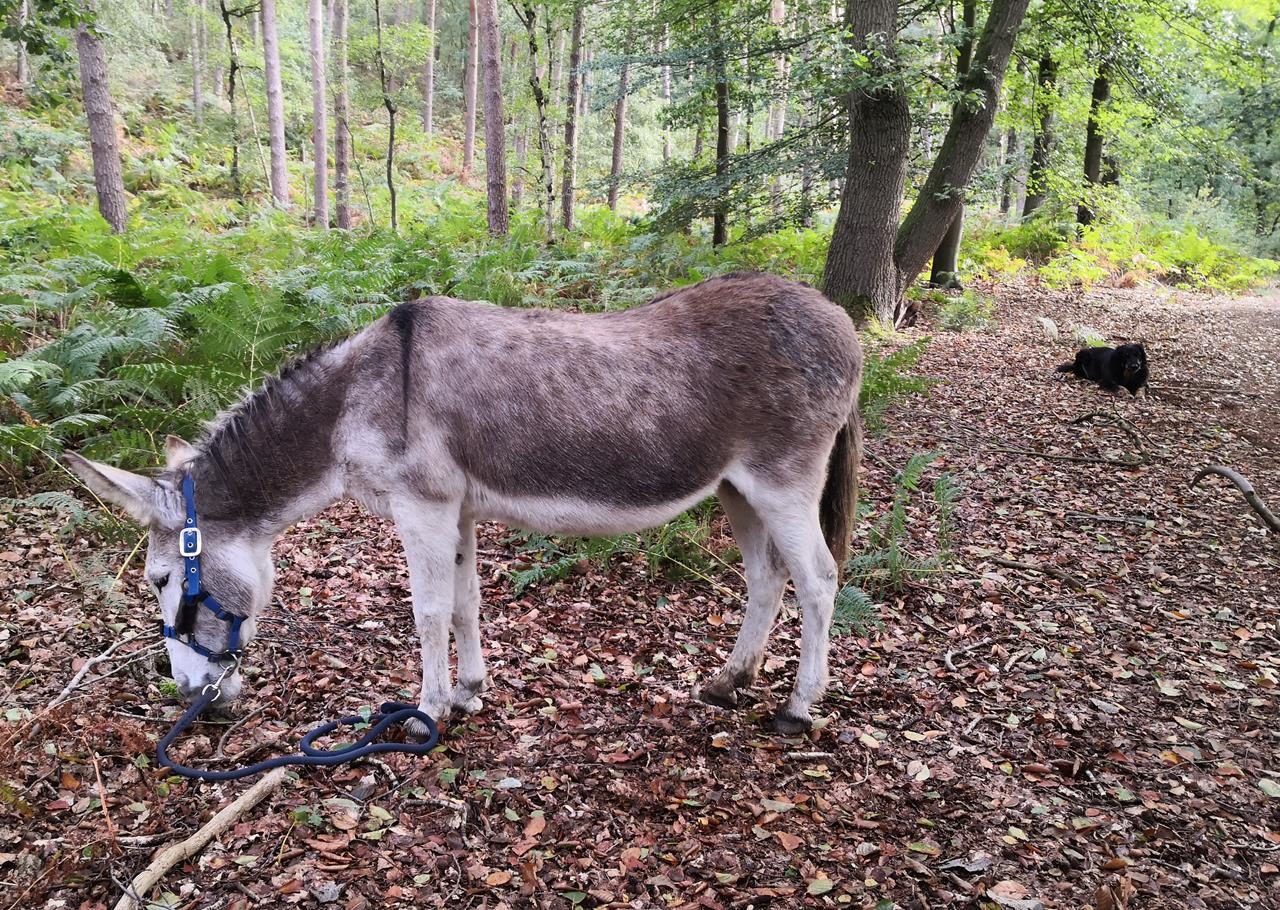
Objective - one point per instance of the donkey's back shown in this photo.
(598, 423)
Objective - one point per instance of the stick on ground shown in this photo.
(1246, 489)
(170, 856)
(83, 671)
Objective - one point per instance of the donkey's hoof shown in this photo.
(417, 728)
(717, 694)
(464, 703)
(788, 724)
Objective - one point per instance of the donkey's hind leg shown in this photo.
(766, 578)
(791, 518)
(429, 532)
(466, 623)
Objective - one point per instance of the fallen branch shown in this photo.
(1044, 568)
(92, 662)
(1246, 489)
(950, 656)
(1077, 459)
(145, 880)
(1116, 421)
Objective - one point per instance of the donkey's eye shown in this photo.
(159, 583)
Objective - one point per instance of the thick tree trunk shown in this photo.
(619, 133)
(568, 181)
(387, 102)
(429, 74)
(942, 195)
(469, 68)
(275, 105)
(341, 115)
(1046, 89)
(495, 143)
(869, 268)
(1093, 143)
(197, 62)
(546, 191)
(720, 217)
(319, 109)
(945, 272)
(860, 274)
(108, 176)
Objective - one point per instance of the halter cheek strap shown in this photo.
(194, 595)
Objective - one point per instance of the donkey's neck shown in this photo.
(270, 460)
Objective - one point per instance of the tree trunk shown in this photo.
(869, 268)
(776, 123)
(390, 105)
(495, 143)
(234, 68)
(429, 74)
(946, 258)
(1093, 143)
(556, 80)
(720, 217)
(546, 191)
(24, 62)
(469, 92)
(275, 105)
(341, 114)
(568, 181)
(197, 62)
(859, 273)
(1011, 155)
(108, 175)
(666, 96)
(1046, 89)
(619, 133)
(319, 109)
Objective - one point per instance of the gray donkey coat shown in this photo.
(446, 412)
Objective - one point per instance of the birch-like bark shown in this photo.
(275, 105)
(495, 142)
(319, 115)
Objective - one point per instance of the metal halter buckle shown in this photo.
(190, 543)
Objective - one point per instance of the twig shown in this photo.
(226, 734)
(951, 655)
(176, 853)
(89, 665)
(1246, 489)
(1044, 568)
(806, 756)
(1112, 519)
(1117, 421)
(102, 798)
(1076, 459)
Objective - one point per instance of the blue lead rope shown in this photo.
(389, 714)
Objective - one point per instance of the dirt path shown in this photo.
(1109, 743)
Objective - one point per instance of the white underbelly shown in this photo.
(572, 516)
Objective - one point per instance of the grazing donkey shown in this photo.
(445, 412)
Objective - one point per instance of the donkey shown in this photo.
(445, 412)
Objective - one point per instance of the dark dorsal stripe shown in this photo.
(402, 318)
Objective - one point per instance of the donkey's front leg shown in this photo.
(429, 531)
(466, 622)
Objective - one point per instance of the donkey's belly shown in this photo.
(574, 515)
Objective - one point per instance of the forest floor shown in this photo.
(1104, 734)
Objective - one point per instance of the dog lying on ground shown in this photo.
(1111, 368)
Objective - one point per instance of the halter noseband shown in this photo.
(193, 593)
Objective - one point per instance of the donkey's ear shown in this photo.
(177, 451)
(140, 496)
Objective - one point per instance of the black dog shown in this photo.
(1111, 368)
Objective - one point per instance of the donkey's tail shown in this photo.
(840, 495)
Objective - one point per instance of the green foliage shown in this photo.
(886, 380)
(966, 312)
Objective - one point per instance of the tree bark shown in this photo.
(860, 274)
(946, 258)
(568, 181)
(720, 217)
(469, 91)
(1093, 143)
(390, 105)
(108, 175)
(1011, 154)
(234, 70)
(528, 15)
(275, 105)
(495, 143)
(869, 267)
(665, 46)
(197, 62)
(619, 134)
(319, 109)
(1046, 88)
(341, 114)
(429, 75)
(24, 62)
(778, 108)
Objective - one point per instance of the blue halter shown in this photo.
(193, 593)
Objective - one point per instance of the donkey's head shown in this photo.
(233, 567)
